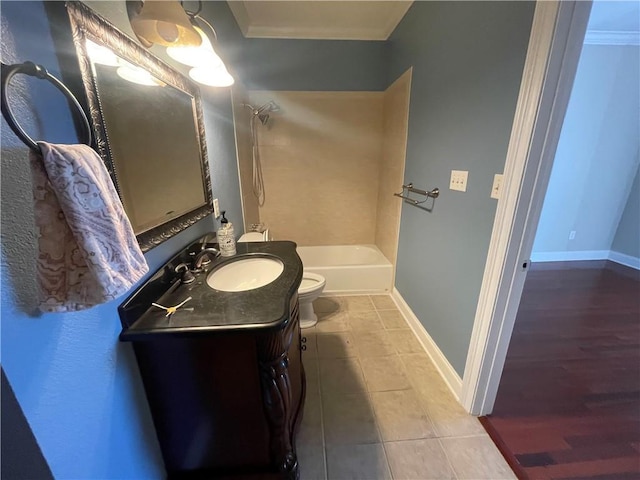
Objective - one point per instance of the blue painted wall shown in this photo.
(597, 152)
(314, 65)
(627, 239)
(78, 387)
(467, 60)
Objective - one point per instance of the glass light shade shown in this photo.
(101, 54)
(136, 75)
(201, 56)
(214, 77)
(165, 23)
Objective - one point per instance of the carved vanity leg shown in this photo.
(277, 399)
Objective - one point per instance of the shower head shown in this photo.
(262, 111)
(271, 106)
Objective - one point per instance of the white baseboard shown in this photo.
(345, 293)
(617, 257)
(624, 259)
(569, 256)
(449, 375)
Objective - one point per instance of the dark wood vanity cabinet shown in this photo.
(228, 403)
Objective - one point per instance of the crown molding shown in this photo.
(239, 11)
(316, 33)
(605, 37)
(253, 26)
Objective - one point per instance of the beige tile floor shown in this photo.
(376, 406)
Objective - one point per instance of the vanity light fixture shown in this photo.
(206, 65)
(162, 22)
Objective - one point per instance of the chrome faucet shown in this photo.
(198, 260)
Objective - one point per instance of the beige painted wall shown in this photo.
(241, 118)
(391, 175)
(321, 164)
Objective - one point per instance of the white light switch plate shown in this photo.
(496, 190)
(459, 180)
(216, 208)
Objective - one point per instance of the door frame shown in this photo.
(555, 44)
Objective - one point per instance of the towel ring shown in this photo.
(38, 71)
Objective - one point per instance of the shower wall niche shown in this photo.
(331, 162)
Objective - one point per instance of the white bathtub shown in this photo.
(349, 268)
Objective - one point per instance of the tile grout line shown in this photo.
(375, 416)
(375, 421)
(386, 457)
(446, 455)
(421, 402)
(324, 442)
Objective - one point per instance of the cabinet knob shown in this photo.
(303, 347)
(303, 339)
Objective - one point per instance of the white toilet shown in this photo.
(310, 288)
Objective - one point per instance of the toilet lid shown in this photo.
(310, 282)
(251, 237)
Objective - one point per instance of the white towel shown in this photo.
(87, 251)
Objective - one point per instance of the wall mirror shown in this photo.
(149, 129)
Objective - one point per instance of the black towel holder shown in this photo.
(38, 71)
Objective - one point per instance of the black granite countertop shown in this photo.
(213, 311)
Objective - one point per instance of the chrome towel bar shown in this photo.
(409, 188)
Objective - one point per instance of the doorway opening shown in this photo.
(568, 402)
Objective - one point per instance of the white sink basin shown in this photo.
(245, 274)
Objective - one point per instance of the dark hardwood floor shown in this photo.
(568, 406)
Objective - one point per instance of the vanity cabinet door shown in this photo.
(206, 401)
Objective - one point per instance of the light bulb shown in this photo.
(214, 77)
(201, 56)
(137, 75)
(101, 54)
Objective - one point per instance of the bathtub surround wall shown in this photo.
(331, 162)
(391, 172)
(78, 387)
(467, 60)
(241, 120)
(320, 161)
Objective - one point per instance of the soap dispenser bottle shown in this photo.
(226, 239)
